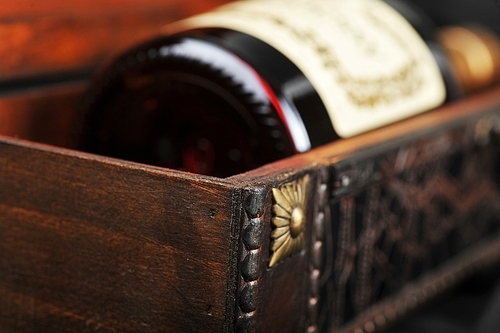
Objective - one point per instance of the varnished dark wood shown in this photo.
(42, 115)
(88, 244)
(46, 37)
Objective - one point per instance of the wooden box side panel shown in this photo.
(409, 220)
(91, 245)
(394, 217)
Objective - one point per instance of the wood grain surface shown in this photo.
(92, 245)
(55, 37)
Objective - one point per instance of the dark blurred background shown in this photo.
(446, 12)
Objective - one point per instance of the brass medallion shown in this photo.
(289, 219)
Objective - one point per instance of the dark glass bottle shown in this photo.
(211, 101)
(429, 31)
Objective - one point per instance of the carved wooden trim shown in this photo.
(436, 282)
(335, 250)
(423, 214)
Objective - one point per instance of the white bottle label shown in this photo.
(367, 63)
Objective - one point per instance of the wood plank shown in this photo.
(89, 244)
(49, 37)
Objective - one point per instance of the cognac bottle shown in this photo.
(259, 80)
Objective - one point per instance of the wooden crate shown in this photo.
(93, 243)
(393, 218)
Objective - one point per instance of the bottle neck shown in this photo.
(474, 54)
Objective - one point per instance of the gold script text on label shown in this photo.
(367, 63)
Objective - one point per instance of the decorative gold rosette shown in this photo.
(289, 219)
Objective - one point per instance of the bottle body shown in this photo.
(221, 101)
(188, 102)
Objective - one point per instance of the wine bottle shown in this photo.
(259, 80)
(432, 36)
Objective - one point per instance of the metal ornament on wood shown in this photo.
(289, 219)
